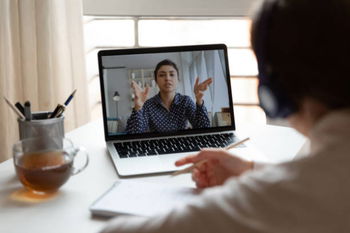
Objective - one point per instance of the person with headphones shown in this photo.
(302, 49)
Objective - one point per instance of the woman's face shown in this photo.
(167, 79)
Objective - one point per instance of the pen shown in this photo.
(27, 111)
(70, 98)
(19, 107)
(189, 169)
(233, 145)
(60, 108)
(19, 114)
(57, 109)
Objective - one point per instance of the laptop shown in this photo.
(149, 140)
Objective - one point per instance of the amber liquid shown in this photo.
(44, 171)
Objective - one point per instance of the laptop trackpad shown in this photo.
(148, 165)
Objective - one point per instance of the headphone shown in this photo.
(272, 98)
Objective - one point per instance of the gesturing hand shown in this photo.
(140, 95)
(199, 89)
(219, 166)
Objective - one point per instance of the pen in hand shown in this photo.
(189, 169)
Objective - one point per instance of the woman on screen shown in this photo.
(168, 110)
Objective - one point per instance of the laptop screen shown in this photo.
(152, 92)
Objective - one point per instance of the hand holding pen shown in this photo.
(214, 166)
(60, 108)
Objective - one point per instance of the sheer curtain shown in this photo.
(41, 60)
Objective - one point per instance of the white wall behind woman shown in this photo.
(118, 80)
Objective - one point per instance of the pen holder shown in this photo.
(41, 126)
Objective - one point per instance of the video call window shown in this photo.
(120, 71)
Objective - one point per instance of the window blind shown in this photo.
(158, 8)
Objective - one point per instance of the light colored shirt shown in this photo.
(309, 194)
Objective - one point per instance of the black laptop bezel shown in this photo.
(170, 49)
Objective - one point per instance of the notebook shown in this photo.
(149, 140)
(141, 199)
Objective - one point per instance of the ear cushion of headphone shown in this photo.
(274, 102)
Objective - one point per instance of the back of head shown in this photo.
(304, 46)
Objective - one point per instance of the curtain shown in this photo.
(41, 60)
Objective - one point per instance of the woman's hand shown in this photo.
(219, 166)
(140, 95)
(199, 89)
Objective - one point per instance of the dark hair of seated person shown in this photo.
(308, 49)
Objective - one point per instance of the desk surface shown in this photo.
(67, 211)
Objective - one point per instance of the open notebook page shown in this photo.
(141, 198)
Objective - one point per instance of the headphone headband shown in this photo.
(272, 97)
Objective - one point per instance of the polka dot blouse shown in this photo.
(154, 117)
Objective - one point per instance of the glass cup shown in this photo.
(44, 164)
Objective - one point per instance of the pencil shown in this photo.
(233, 145)
(189, 169)
(19, 114)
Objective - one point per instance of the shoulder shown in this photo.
(151, 101)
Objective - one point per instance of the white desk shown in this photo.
(68, 210)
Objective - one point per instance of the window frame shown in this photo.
(166, 8)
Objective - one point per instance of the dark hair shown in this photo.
(308, 49)
(165, 62)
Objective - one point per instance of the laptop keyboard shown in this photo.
(173, 145)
